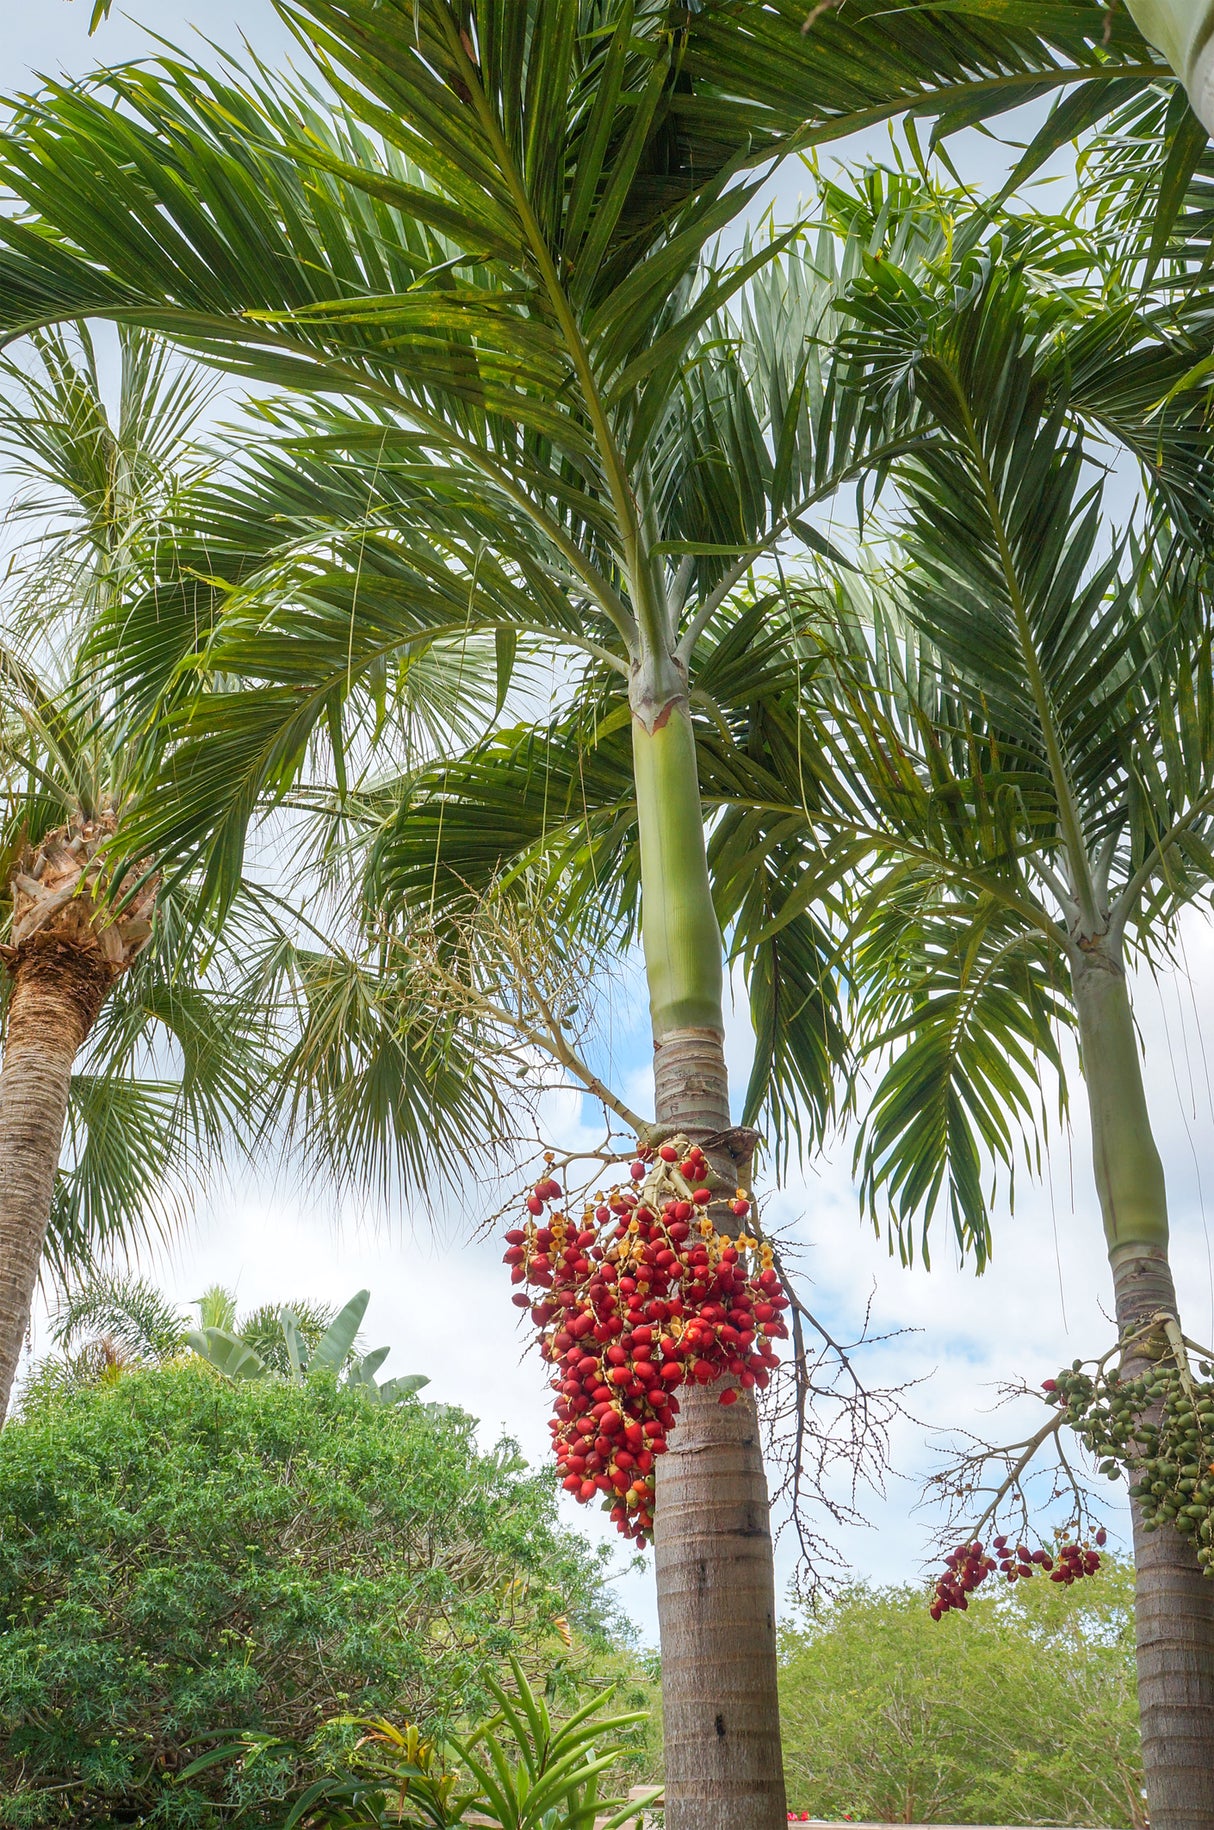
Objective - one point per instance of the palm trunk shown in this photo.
(56, 994)
(715, 1573)
(1174, 1601)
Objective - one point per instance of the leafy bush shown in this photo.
(1021, 1711)
(184, 1559)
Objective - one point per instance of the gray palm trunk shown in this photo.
(1174, 1601)
(715, 1574)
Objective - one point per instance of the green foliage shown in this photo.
(184, 1560)
(300, 1350)
(523, 1768)
(1021, 1711)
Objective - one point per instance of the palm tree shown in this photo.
(1023, 757)
(491, 252)
(90, 491)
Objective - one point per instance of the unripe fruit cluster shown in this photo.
(1159, 1430)
(967, 1567)
(632, 1300)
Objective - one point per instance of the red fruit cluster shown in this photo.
(968, 1566)
(964, 1569)
(635, 1298)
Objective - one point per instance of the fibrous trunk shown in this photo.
(67, 949)
(712, 1538)
(54, 1001)
(1174, 1602)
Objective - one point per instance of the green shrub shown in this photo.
(1021, 1711)
(184, 1558)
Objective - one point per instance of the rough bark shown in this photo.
(56, 994)
(1174, 1612)
(1174, 1602)
(712, 1538)
(67, 947)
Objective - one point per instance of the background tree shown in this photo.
(112, 1324)
(1024, 1712)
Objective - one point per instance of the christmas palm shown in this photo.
(1025, 757)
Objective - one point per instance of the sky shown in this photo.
(439, 1295)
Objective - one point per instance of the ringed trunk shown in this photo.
(56, 994)
(712, 1538)
(1174, 1601)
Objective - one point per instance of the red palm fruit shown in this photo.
(668, 1153)
(602, 1215)
(612, 1424)
(704, 1371)
(637, 1171)
(521, 1300)
(587, 1364)
(572, 1483)
(678, 1231)
(683, 1210)
(516, 1236)
(672, 1373)
(634, 1435)
(513, 1254)
(739, 1207)
(1102, 1536)
(701, 1196)
(729, 1395)
(534, 1205)
(587, 1490)
(617, 1355)
(645, 1460)
(620, 1375)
